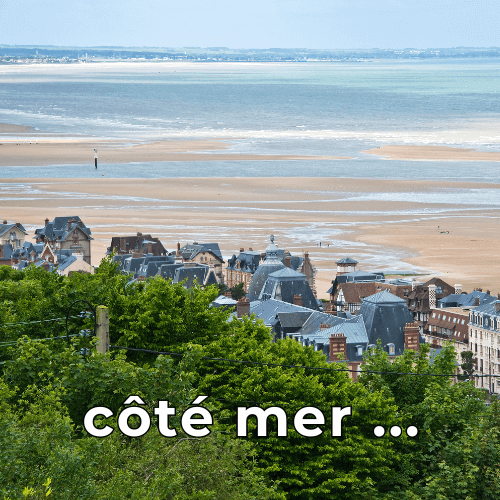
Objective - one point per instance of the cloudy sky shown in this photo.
(257, 24)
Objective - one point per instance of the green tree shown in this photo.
(351, 466)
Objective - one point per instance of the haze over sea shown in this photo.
(335, 108)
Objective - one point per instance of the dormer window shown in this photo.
(392, 349)
(359, 350)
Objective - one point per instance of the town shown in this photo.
(365, 309)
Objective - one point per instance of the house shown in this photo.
(203, 253)
(447, 324)
(12, 236)
(66, 233)
(141, 243)
(484, 342)
(240, 268)
(424, 297)
(74, 263)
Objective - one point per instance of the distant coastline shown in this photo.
(11, 54)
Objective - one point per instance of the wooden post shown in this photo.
(102, 329)
(95, 157)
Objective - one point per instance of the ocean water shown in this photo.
(337, 108)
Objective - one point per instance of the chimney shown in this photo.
(243, 307)
(150, 248)
(476, 301)
(123, 246)
(432, 296)
(288, 261)
(414, 285)
(18, 224)
(497, 306)
(78, 255)
(69, 223)
(242, 249)
(46, 221)
(498, 296)
(487, 292)
(458, 289)
(479, 289)
(178, 248)
(4, 222)
(80, 223)
(139, 234)
(338, 345)
(324, 326)
(412, 337)
(250, 249)
(297, 300)
(228, 294)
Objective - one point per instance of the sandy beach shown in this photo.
(435, 153)
(382, 224)
(43, 151)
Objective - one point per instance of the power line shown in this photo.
(259, 363)
(9, 325)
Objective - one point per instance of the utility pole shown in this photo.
(102, 329)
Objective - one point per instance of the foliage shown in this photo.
(306, 468)
(468, 364)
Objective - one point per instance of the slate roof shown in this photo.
(58, 229)
(385, 317)
(270, 265)
(138, 242)
(267, 310)
(346, 260)
(190, 251)
(284, 284)
(248, 261)
(294, 319)
(190, 274)
(466, 300)
(66, 263)
(7, 227)
(360, 276)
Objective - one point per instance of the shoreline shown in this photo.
(355, 217)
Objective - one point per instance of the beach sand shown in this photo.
(37, 150)
(354, 217)
(434, 153)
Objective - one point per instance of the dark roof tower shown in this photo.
(270, 264)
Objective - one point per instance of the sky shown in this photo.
(312, 24)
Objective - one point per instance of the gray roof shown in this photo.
(7, 227)
(58, 229)
(346, 260)
(8, 250)
(385, 317)
(190, 251)
(267, 310)
(294, 319)
(466, 300)
(384, 298)
(189, 275)
(285, 284)
(66, 263)
(270, 265)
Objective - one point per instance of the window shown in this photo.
(433, 315)
(444, 317)
(391, 349)
(454, 320)
(359, 350)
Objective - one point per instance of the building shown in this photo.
(74, 263)
(484, 342)
(208, 254)
(12, 236)
(66, 233)
(240, 268)
(141, 243)
(447, 324)
(424, 297)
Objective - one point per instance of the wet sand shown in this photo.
(354, 217)
(434, 153)
(38, 150)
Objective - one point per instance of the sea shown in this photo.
(300, 108)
